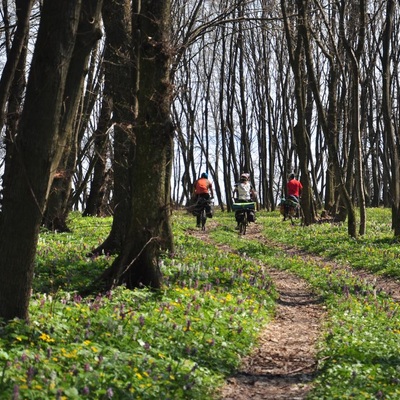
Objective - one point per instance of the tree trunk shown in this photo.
(387, 117)
(37, 153)
(101, 142)
(296, 58)
(359, 170)
(15, 100)
(23, 9)
(120, 81)
(149, 230)
(89, 33)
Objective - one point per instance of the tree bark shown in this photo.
(23, 8)
(37, 154)
(296, 58)
(120, 87)
(57, 208)
(387, 117)
(149, 231)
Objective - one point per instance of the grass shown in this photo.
(360, 347)
(177, 343)
(181, 342)
(377, 251)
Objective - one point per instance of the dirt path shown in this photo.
(283, 362)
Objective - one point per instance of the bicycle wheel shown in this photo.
(243, 225)
(203, 219)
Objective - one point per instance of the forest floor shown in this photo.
(283, 362)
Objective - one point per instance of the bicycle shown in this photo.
(241, 214)
(291, 209)
(203, 219)
(202, 211)
(243, 224)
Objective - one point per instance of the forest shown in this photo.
(258, 86)
(111, 109)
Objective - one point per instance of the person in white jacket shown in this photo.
(243, 191)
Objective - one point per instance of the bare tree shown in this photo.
(295, 44)
(95, 202)
(13, 81)
(120, 85)
(149, 232)
(38, 148)
(23, 11)
(392, 140)
(357, 18)
(58, 202)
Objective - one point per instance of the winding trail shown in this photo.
(283, 363)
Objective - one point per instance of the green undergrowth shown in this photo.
(377, 251)
(359, 351)
(182, 341)
(176, 343)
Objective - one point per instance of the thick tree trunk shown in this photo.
(36, 154)
(149, 230)
(88, 34)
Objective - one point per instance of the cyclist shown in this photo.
(203, 190)
(243, 190)
(294, 188)
(244, 193)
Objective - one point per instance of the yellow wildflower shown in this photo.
(46, 338)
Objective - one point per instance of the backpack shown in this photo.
(239, 215)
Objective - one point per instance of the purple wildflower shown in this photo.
(30, 373)
(141, 320)
(77, 298)
(188, 324)
(15, 392)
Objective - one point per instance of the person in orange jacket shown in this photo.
(203, 190)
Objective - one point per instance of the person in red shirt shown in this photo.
(294, 187)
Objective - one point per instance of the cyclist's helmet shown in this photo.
(204, 175)
(244, 177)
